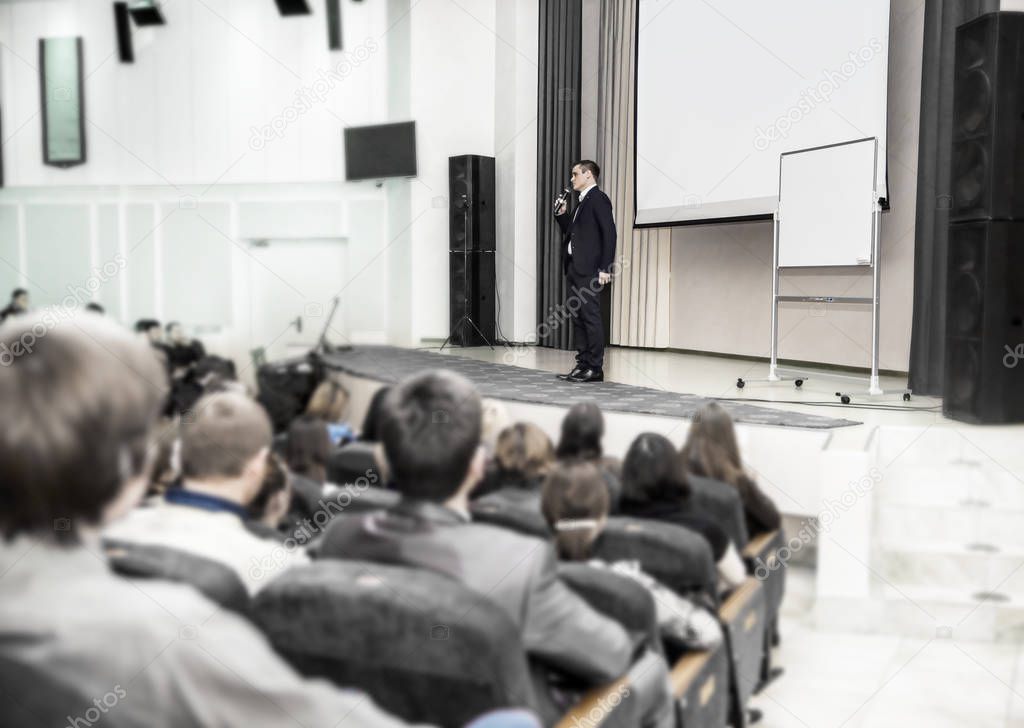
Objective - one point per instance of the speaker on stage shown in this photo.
(984, 366)
(471, 246)
(988, 119)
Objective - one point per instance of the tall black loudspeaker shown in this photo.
(471, 203)
(984, 367)
(471, 245)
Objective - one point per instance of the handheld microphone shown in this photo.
(561, 198)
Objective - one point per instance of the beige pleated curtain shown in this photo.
(640, 294)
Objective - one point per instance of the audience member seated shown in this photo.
(268, 510)
(17, 305)
(582, 432)
(87, 398)
(307, 448)
(370, 431)
(711, 450)
(430, 430)
(164, 447)
(223, 461)
(654, 486)
(182, 352)
(523, 455)
(575, 504)
(327, 405)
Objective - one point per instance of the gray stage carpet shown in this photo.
(502, 381)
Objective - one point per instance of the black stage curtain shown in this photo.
(928, 331)
(558, 146)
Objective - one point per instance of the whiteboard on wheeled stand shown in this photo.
(826, 205)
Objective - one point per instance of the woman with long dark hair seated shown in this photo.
(582, 433)
(711, 451)
(654, 486)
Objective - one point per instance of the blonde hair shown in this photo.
(524, 449)
(328, 401)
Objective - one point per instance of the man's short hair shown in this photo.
(81, 399)
(589, 165)
(430, 428)
(144, 325)
(223, 433)
(18, 292)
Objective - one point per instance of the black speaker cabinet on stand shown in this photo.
(471, 251)
(984, 366)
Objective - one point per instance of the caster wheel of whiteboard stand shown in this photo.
(799, 383)
(906, 396)
(740, 384)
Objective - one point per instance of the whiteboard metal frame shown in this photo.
(774, 369)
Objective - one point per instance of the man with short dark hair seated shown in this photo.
(75, 456)
(430, 430)
(223, 462)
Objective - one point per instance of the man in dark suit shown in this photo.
(588, 251)
(430, 430)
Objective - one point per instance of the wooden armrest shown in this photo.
(686, 671)
(602, 699)
(738, 599)
(755, 547)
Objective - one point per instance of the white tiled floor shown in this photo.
(847, 680)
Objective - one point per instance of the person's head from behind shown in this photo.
(370, 431)
(274, 497)
(575, 505)
(148, 329)
(652, 472)
(176, 333)
(308, 449)
(82, 405)
(582, 430)
(711, 447)
(524, 452)
(328, 401)
(584, 173)
(19, 299)
(430, 430)
(224, 445)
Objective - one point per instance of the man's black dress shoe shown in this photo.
(575, 372)
(588, 375)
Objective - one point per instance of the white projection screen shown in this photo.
(724, 88)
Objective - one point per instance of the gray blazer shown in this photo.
(517, 572)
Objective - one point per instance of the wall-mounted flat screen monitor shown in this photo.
(383, 150)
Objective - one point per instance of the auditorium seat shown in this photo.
(677, 557)
(425, 647)
(363, 499)
(617, 597)
(743, 620)
(593, 709)
(280, 444)
(723, 504)
(700, 684)
(34, 698)
(514, 508)
(351, 462)
(214, 580)
(761, 557)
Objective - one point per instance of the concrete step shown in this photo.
(971, 568)
(952, 485)
(966, 525)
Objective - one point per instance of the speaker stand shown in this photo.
(466, 319)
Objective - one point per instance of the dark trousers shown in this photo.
(584, 305)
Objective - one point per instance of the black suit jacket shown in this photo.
(592, 233)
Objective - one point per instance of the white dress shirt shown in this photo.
(583, 193)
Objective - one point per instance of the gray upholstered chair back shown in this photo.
(423, 646)
(723, 504)
(677, 557)
(217, 581)
(353, 461)
(512, 508)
